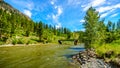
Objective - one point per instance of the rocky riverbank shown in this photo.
(89, 59)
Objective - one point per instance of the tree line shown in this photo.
(12, 24)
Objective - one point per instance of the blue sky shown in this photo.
(66, 13)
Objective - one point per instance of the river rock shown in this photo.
(95, 63)
(87, 59)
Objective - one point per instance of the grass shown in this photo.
(33, 56)
(101, 50)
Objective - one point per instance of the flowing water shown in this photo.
(38, 56)
(70, 52)
(47, 56)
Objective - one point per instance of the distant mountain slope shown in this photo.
(13, 22)
(10, 9)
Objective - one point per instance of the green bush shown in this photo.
(14, 41)
(31, 42)
(1, 43)
(116, 42)
(18, 41)
(21, 41)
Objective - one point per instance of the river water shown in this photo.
(73, 50)
(70, 52)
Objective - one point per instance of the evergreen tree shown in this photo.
(65, 31)
(54, 30)
(40, 30)
(109, 26)
(118, 25)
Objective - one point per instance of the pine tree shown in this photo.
(54, 30)
(40, 30)
(118, 25)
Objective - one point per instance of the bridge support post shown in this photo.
(59, 41)
(75, 42)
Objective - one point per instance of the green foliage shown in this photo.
(48, 35)
(31, 42)
(91, 23)
(14, 41)
(108, 51)
(101, 50)
(18, 40)
(1, 43)
(21, 41)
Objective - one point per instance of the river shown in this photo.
(44, 56)
(68, 53)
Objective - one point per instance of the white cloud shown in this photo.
(30, 5)
(28, 13)
(96, 3)
(117, 6)
(74, 2)
(52, 2)
(55, 19)
(82, 21)
(114, 15)
(106, 13)
(108, 8)
(56, 7)
(103, 9)
(24, 4)
(56, 16)
(59, 11)
(93, 3)
(58, 26)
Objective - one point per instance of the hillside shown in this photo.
(12, 21)
(17, 28)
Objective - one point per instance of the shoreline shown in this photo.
(8, 45)
(89, 59)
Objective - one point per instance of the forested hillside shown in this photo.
(15, 27)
